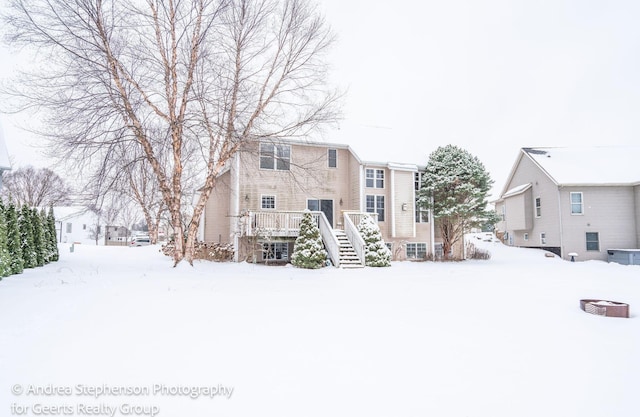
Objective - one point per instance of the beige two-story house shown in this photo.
(581, 200)
(261, 194)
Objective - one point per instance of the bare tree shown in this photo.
(186, 82)
(35, 187)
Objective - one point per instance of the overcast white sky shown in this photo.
(489, 76)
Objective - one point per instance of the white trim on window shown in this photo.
(592, 240)
(543, 238)
(576, 204)
(274, 157)
(374, 178)
(268, 202)
(332, 160)
(537, 207)
(526, 237)
(416, 250)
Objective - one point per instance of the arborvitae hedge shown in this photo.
(13, 239)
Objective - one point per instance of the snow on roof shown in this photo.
(69, 212)
(517, 190)
(380, 145)
(5, 164)
(597, 165)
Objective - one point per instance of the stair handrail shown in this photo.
(329, 238)
(354, 237)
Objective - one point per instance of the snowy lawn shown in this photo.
(504, 337)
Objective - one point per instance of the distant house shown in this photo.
(582, 200)
(260, 196)
(5, 164)
(116, 236)
(76, 224)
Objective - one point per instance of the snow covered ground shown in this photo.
(503, 337)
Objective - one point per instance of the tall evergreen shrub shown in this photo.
(14, 240)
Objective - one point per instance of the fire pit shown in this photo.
(605, 308)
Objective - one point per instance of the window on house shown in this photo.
(538, 207)
(543, 238)
(389, 246)
(526, 236)
(375, 204)
(374, 178)
(416, 250)
(276, 157)
(268, 202)
(275, 251)
(504, 212)
(576, 203)
(69, 225)
(593, 241)
(422, 214)
(333, 158)
(84, 227)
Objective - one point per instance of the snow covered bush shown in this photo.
(376, 253)
(308, 251)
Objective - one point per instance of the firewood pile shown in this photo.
(206, 251)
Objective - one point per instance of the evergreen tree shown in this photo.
(308, 251)
(5, 258)
(376, 253)
(53, 248)
(13, 240)
(38, 236)
(46, 237)
(455, 188)
(26, 238)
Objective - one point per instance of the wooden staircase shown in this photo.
(348, 256)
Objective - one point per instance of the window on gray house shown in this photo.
(333, 158)
(543, 238)
(576, 203)
(374, 178)
(593, 241)
(276, 157)
(69, 225)
(538, 207)
(268, 202)
(375, 204)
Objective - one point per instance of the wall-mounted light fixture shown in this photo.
(246, 197)
(340, 201)
(404, 206)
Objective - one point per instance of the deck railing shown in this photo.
(351, 219)
(287, 224)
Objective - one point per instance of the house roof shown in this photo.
(597, 165)
(517, 190)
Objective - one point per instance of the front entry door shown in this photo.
(325, 206)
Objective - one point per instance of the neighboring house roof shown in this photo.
(517, 190)
(582, 165)
(64, 213)
(5, 164)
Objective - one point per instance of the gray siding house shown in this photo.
(581, 200)
(260, 196)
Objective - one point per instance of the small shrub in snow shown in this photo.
(308, 251)
(474, 252)
(376, 253)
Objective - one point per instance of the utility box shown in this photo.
(624, 256)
